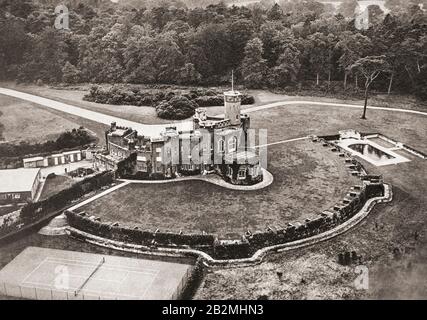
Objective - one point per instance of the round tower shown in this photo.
(232, 102)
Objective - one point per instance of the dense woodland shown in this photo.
(268, 45)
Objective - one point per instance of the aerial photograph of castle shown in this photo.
(208, 150)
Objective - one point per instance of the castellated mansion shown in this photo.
(215, 145)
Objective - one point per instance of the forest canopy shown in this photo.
(268, 45)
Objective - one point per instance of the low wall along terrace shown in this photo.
(371, 187)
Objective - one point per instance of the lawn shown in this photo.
(296, 121)
(314, 272)
(23, 121)
(143, 114)
(307, 179)
(54, 184)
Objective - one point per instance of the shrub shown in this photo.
(248, 99)
(142, 97)
(177, 108)
(209, 101)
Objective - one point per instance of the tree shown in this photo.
(14, 43)
(353, 46)
(275, 13)
(348, 8)
(274, 35)
(188, 74)
(370, 67)
(46, 58)
(317, 50)
(376, 15)
(209, 50)
(288, 67)
(70, 74)
(254, 66)
(239, 33)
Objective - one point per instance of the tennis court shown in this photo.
(45, 274)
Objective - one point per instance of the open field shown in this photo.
(143, 114)
(296, 121)
(23, 121)
(307, 179)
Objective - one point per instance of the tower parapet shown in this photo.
(232, 102)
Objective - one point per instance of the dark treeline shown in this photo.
(268, 45)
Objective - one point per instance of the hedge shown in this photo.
(136, 235)
(222, 250)
(119, 95)
(32, 211)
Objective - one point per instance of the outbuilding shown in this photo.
(19, 185)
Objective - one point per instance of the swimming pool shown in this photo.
(371, 152)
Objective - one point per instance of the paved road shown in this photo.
(155, 130)
(149, 130)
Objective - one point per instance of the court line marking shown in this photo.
(150, 285)
(51, 260)
(118, 266)
(93, 292)
(36, 268)
(149, 273)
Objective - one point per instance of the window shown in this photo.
(142, 166)
(230, 171)
(17, 196)
(242, 173)
(232, 144)
(159, 168)
(221, 145)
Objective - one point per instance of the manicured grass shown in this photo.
(297, 121)
(23, 121)
(313, 272)
(307, 179)
(54, 184)
(144, 114)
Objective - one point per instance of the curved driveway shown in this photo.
(154, 130)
